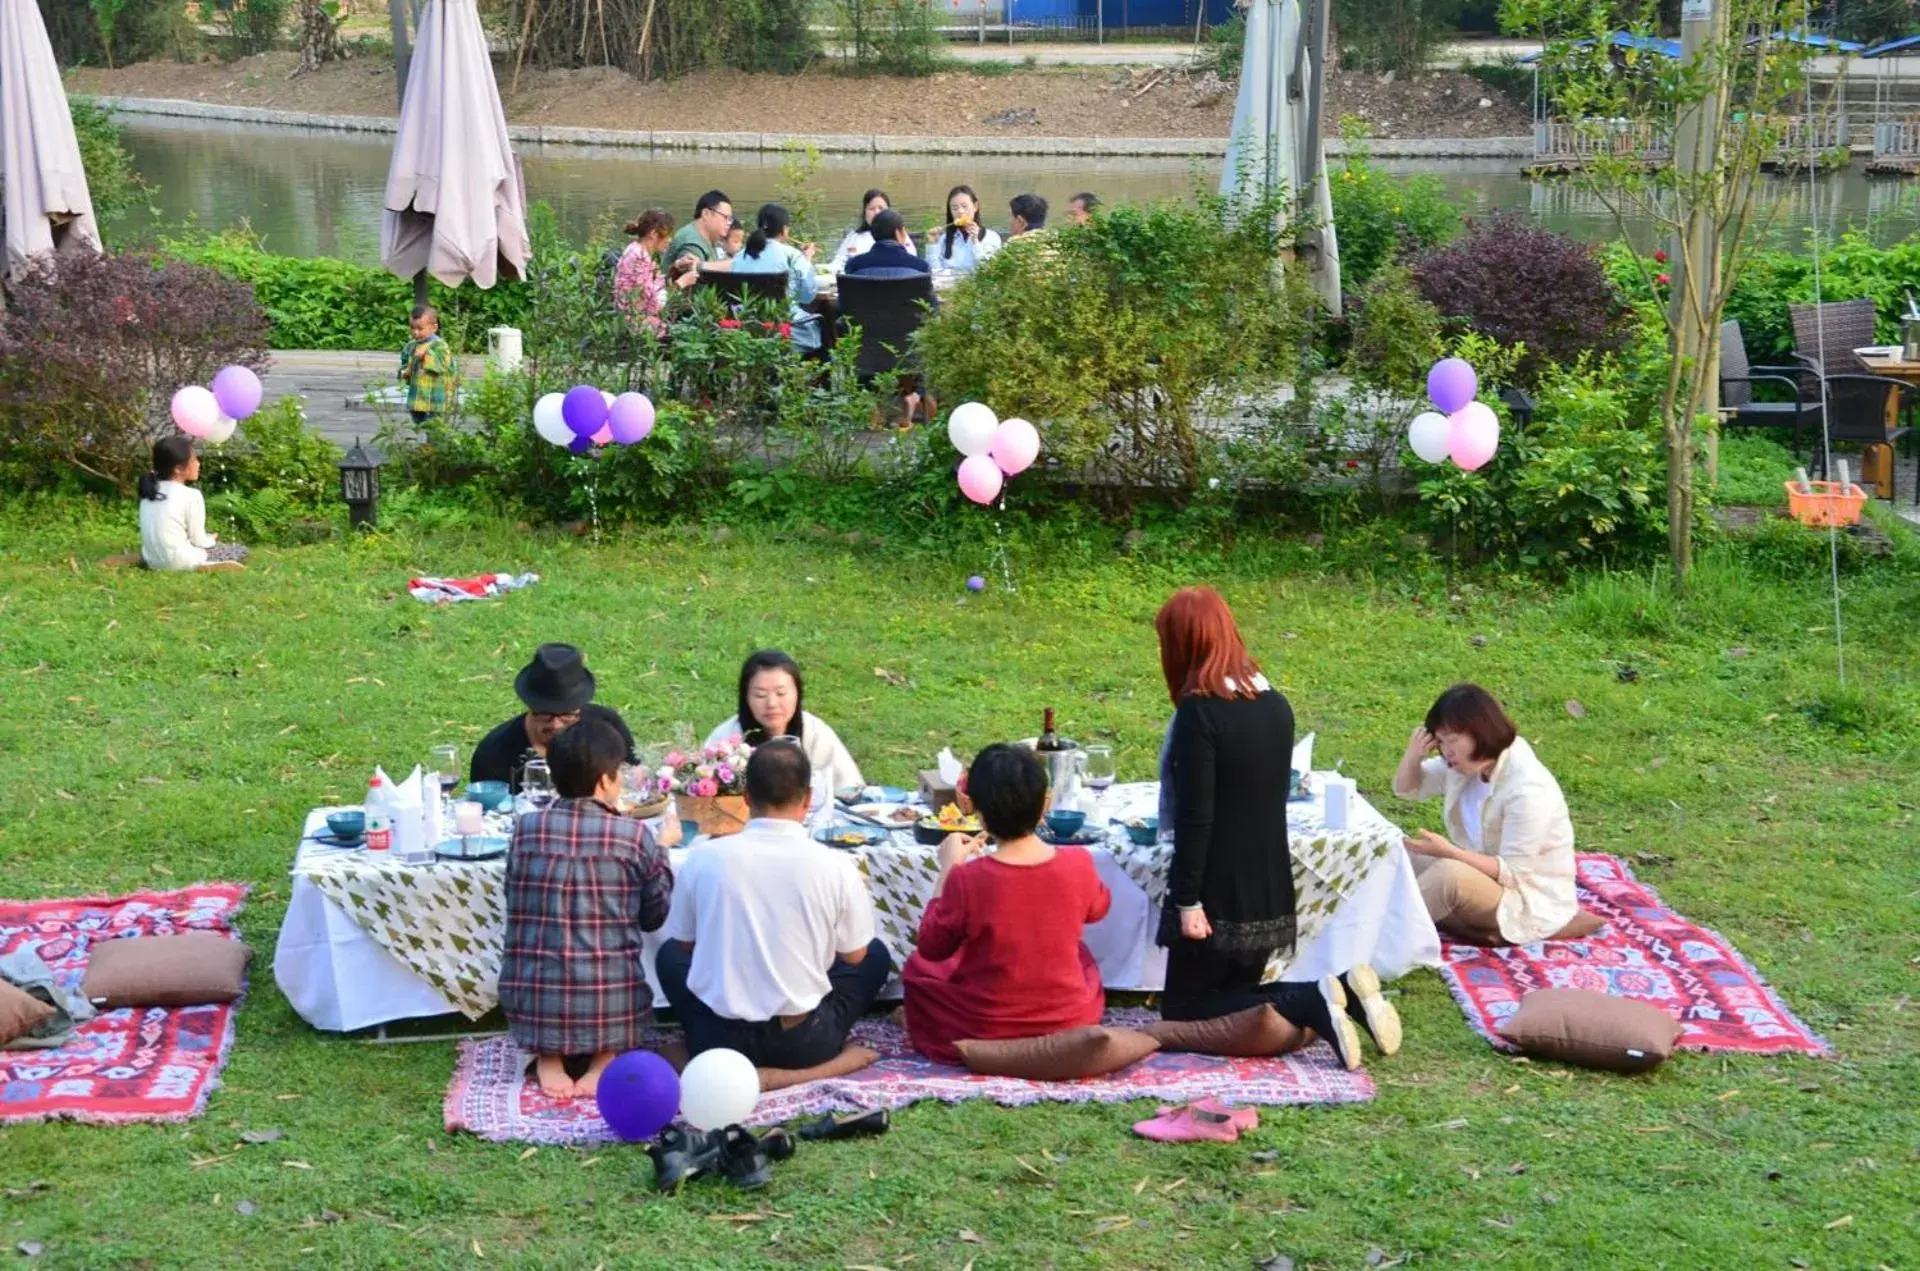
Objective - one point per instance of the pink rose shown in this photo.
(675, 759)
(735, 741)
(705, 788)
(725, 774)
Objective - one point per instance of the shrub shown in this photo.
(890, 38)
(1520, 284)
(251, 26)
(112, 32)
(1118, 336)
(114, 183)
(1850, 268)
(1379, 216)
(275, 451)
(1395, 338)
(93, 348)
(1392, 35)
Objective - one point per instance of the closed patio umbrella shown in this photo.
(47, 205)
(1275, 142)
(455, 205)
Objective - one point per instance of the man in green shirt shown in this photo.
(697, 244)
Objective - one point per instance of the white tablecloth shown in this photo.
(340, 978)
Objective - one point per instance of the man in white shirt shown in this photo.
(770, 946)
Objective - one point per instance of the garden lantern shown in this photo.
(360, 484)
(1518, 405)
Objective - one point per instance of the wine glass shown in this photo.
(536, 785)
(1100, 770)
(444, 762)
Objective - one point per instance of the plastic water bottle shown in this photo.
(379, 816)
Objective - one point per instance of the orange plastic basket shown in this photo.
(1829, 503)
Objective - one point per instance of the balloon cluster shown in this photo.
(211, 413)
(995, 449)
(584, 417)
(639, 1093)
(1464, 430)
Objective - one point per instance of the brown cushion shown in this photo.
(1579, 927)
(20, 1013)
(1078, 1052)
(1258, 1030)
(188, 970)
(1593, 1030)
(850, 1060)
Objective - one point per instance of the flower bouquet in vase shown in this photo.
(709, 785)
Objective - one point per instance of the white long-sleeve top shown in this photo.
(856, 243)
(967, 254)
(173, 528)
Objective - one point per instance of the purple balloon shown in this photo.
(631, 418)
(976, 583)
(1451, 384)
(238, 391)
(639, 1094)
(584, 410)
(580, 445)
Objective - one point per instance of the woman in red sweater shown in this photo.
(999, 954)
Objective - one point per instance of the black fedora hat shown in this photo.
(556, 682)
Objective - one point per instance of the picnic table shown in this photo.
(368, 940)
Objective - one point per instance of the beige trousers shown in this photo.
(1463, 902)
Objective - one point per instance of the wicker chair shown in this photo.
(1825, 336)
(1863, 409)
(888, 306)
(1739, 379)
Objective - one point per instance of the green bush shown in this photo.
(115, 185)
(275, 451)
(1380, 216)
(251, 26)
(1392, 35)
(1849, 269)
(1117, 337)
(113, 32)
(890, 38)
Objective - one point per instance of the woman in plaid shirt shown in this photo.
(583, 882)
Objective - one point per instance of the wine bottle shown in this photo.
(1050, 741)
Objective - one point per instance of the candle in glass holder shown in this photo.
(469, 818)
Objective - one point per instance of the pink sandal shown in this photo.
(1189, 1123)
(1244, 1119)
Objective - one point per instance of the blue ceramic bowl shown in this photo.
(1066, 824)
(494, 796)
(1143, 831)
(347, 826)
(689, 831)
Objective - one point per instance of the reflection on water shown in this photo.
(319, 193)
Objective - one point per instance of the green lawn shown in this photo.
(157, 730)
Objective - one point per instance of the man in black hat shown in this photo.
(557, 688)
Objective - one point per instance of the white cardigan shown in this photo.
(825, 751)
(173, 528)
(1525, 826)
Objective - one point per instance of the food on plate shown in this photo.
(951, 819)
(849, 837)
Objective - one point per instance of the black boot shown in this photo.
(747, 1163)
(854, 1126)
(680, 1154)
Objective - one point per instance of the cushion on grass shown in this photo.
(1093, 1051)
(1254, 1032)
(194, 969)
(20, 1013)
(1592, 1030)
(1582, 925)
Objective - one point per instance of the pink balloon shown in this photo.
(604, 436)
(195, 411)
(631, 418)
(980, 478)
(1474, 434)
(1015, 446)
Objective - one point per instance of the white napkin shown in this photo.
(410, 816)
(1303, 755)
(950, 769)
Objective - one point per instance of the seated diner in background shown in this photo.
(772, 704)
(583, 882)
(770, 945)
(1080, 207)
(770, 250)
(964, 243)
(1000, 954)
(173, 515)
(557, 689)
(1504, 872)
(736, 237)
(1029, 215)
(890, 252)
(862, 236)
(701, 242)
(639, 284)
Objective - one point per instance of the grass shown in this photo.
(164, 729)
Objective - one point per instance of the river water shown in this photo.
(311, 193)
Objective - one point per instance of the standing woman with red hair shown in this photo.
(1224, 777)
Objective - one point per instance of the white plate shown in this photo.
(1881, 350)
(883, 812)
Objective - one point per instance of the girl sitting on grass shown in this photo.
(173, 515)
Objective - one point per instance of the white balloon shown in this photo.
(222, 429)
(1430, 435)
(971, 427)
(549, 422)
(717, 1089)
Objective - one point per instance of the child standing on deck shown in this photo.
(426, 364)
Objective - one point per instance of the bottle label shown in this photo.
(379, 838)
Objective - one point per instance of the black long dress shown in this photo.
(1228, 766)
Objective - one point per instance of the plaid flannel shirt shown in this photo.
(430, 381)
(582, 883)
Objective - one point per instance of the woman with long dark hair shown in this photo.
(639, 285)
(1224, 779)
(772, 703)
(860, 237)
(173, 515)
(964, 243)
(770, 250)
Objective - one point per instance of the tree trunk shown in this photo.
(319, 37)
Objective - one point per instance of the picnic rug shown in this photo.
(491, 1096)
(127, 1065)
(1647, 952)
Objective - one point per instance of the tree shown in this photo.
(319, 35)
(1704, 194)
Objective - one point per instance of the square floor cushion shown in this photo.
(194, 969)
(20, 1013)
(1079, 1052)
(1256, 1031)
(1592, 1030)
